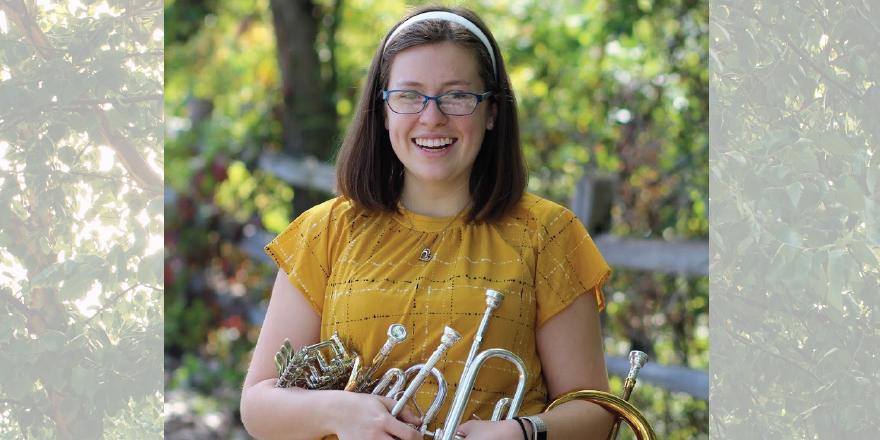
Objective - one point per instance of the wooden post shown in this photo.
(592, 202)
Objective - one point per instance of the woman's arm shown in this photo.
(293, 413)
(570, 348)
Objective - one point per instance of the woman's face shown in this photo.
(436, 149)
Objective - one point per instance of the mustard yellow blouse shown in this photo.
(361, 272)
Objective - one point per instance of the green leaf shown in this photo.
(837, 273)
(154, 265)
(850, 194)
(52, 340)
(794, 191)
(76, 285)
(10, 321)
(863, 255)
(84, 381)
(834, 142)
(19, 385)
(53, 274)
(872, 175)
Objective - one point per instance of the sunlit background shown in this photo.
(613, 95)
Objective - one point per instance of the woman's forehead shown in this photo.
(450, 83)
(438, 64)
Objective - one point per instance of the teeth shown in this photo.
(433, 143)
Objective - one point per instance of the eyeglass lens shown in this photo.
(407, 102)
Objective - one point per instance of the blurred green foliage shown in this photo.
(796, 91)
(603, 87)
(80, 236)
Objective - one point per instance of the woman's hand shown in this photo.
(483, 430)
(368, 417)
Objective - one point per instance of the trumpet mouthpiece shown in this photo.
(494, 298)
(637, 360)
(397, 333)
(450, 336)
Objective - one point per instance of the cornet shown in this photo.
(309, 368)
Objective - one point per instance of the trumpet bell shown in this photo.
(615, 405)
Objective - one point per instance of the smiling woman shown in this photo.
(433, 57)
(433, 214)
(437, 149)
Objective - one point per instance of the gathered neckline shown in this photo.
(427, 223)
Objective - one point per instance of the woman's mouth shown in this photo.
(434, 144)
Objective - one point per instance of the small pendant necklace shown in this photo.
(427, 254)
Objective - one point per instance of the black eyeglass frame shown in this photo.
(480, 97)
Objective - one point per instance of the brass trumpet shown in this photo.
(618, 406)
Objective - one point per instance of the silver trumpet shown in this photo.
(396, 334)
(450, 337)
(469, 376)
(395, 379)
(295, 367)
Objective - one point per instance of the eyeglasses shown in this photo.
(409, 102)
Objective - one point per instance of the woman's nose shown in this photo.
(432, 115)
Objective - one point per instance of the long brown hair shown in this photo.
(370, 174)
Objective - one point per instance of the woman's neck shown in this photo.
(435, 202)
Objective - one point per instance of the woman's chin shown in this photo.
(433, 177)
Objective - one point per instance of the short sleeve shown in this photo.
(568, 265)
(303, 251)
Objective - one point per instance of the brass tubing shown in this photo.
(637, 360)
(449, 338)
(493, 300)
(394, 375)
(432, 411)
(621, 408)
(460, 401)
(628, 385)
(396, 334)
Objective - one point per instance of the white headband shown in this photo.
(447, 16)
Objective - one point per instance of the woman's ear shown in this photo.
(490, 124)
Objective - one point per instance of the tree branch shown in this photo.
(18, 12)
(132, 161)
(126, 99)
(760, 347)
(801, 53)
(113, 300)
(13, 301)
